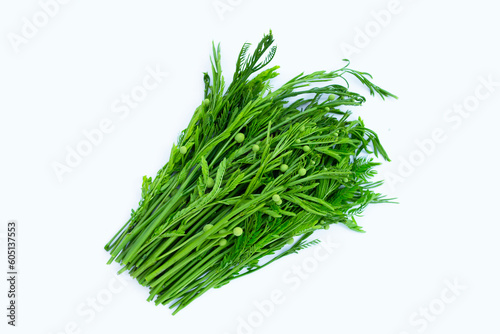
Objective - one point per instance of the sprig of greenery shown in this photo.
(254, 174)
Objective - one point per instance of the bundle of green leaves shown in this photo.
(255, 173)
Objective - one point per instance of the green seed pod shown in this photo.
(327, 109)
(238, 231)
(222, 231)
(327, 227)
(206, 102)
(302, 128)
(283, 168)
(207, 227)
(255, 148)
(306, 149)
(276, 198)
(183, 150)
(302, 171)
(290, 241)
(210, 182)
(298, 141)
(345, 180)
(240, 137)
(222, 242)
(279, 202)
(331, 97)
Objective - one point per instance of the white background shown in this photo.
(65, 78)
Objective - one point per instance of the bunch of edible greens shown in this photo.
(254, 174)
